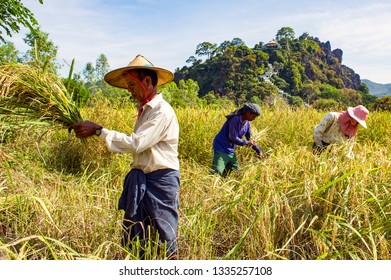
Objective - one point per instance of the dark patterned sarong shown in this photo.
(151, 199)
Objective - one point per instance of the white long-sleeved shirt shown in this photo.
(329, 131)
(154, 142)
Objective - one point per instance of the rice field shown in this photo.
(58, 195)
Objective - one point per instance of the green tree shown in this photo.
(305, 36)
(13, 15)
(295, 100)
(101, 67)
(368, 99)
(237, 42)
(310, 92)
(168, 91)
(42, 50)
(210, 98)
(326, 104)
(308, 45)
(206, 49)
(351, 97)
(383, 103)
(188, 92)
(224, 45)
(293, 76)
(280, 83)
(278, 56)
(94, 78)
(193, 60)
(183, 95)
(284, 36)
(93, 74)
(8, 53)
(364, 88)
(80, 94)
(329, 92)
(89, 74)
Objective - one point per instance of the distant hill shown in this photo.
(303, 67)
(376, 89)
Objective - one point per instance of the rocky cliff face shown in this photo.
(334, 59)
(350, 78)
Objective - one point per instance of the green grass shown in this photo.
(58, 196)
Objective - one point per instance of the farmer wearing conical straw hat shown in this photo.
(234, 129)
(151, 188)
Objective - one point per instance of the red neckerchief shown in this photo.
(145, 99)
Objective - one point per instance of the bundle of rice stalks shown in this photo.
(27, 93)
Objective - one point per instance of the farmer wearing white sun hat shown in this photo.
(150, 196)
(339, 127)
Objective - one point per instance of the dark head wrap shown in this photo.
(253, 108)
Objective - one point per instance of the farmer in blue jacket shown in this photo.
(235, 127)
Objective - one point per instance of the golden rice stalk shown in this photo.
(28, 92)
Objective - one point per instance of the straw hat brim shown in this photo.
(360, 121)
(115, 78)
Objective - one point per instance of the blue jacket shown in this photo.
(231, 135)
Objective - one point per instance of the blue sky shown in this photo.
(168, 32)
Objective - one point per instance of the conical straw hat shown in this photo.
(116, 79)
